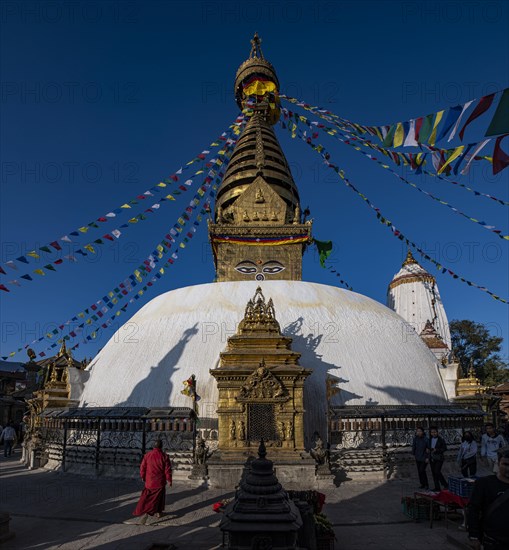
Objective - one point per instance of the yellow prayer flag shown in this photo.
(133, 220)
(83, 229)
(162, 184)
(90, 248)
(125, 206)
(399, 135)
(170, 197)
(433, 136)
(33, 254)
(456, 153)
(39, 272)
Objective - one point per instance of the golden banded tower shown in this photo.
(259, 232)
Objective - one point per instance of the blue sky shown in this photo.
(101, 100)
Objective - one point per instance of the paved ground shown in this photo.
(51, 510)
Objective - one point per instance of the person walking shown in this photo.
(490, 443)
(155, 471)
(420, 450)
(488, 509)
(467, 455)
(9, 437)
(437, 448)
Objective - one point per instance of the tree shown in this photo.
(475, 347)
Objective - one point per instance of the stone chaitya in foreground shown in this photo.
(261, 515)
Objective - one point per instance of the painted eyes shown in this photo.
(246, 267)
(270, 268)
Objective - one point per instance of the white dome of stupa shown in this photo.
(371, 351)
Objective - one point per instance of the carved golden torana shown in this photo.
(261, 385)
(56, 390)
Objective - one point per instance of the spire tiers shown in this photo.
(258, 153)
(258, 230)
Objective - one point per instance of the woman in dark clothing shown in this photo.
(420, 451)
(437, 448)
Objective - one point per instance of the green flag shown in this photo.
(324, 249)
(389, 138)
(500, 121)
(426, 128)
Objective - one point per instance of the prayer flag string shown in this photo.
(123, 289)
(56, 245)
(384, 221)
(300, 118)
(413, 161)
(437, 126)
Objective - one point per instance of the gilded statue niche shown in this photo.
(259, 204)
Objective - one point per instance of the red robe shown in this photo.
(155, 470)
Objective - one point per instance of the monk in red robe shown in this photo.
(155, 471)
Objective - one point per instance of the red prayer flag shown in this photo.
(500, 158)
(418, 124)
(55, 245)
(4, 288)
(2, 271)
(483, 105)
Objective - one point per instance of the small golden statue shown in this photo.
(282, 430)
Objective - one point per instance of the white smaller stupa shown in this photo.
(413, 294)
